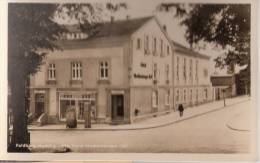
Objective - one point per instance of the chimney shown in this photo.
(165, 28)
(112, 19)
(127, 17)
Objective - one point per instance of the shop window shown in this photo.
(64, 106)
(51, 72)
(155, 99)
(76, 71)
(104, 70)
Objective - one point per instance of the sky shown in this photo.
(138, 8)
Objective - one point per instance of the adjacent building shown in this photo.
(224, 86)
(192, 85)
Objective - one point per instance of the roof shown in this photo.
(187, 51)
(109, 32)
(120, 27)
(225, 80)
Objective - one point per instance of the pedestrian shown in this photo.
(181, 109)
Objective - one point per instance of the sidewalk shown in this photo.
(154, 122)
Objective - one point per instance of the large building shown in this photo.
(126, 70)
(123, 71)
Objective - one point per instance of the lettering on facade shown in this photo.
(142, 76)
(143, 65)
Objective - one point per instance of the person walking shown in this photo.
(181, 109)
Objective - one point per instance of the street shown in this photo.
(207, 133)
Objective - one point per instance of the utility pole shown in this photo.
(224, 95)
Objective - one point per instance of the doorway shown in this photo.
(39, 104)
(117, 107)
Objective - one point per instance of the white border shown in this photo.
(128, 156)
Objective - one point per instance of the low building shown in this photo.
(123, 72)
(224, 86)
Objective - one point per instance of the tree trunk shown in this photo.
(20, 138)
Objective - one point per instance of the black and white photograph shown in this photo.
(129, 76)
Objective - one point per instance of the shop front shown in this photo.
(75, 100)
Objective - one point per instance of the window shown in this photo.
(168, 49)
(161, 47)
(191, 64)
(103, 70)
(138, 43)
(196, 70)
(76, 71)
(65, 105)
(167, 97)
(51, 72)
(184, 96)
(177, 95)
(190, 95)
(146, 45)
(206, 93)
(155, 98)
(184, 68)
(167, 72)
(155, 71)
(154, 45)
(205, 73)
(197, 95)
(177, 69)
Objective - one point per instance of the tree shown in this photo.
(225, 25)
(31, 30)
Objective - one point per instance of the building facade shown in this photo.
(123, 72)
(192, 85)
(224, 86)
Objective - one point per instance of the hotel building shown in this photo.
(124, 71)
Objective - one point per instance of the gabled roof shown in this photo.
(181, 49)
(120, 27)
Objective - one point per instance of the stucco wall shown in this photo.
(152, 30)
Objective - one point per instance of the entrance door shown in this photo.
(39, 104)
(117, 107)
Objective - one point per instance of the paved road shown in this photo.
(204, 134)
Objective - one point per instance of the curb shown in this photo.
(236, 129)
(142, 128)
